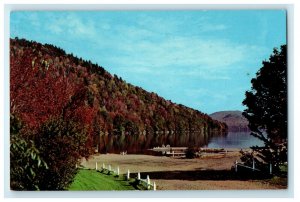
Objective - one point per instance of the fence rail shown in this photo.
(252, 168)
(109, 169)
(146, 183)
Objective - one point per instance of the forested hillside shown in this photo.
(46, 83)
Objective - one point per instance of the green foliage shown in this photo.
(45, 159)
(25, 159)
(280, 181)
(267, 108)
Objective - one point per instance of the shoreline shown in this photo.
(213, 171)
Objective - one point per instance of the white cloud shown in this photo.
(153, 45)
(133, 33)
(181, 55)
(159, 25)
(156, 45)
(34, 19)
(71, 24)
(204, 26)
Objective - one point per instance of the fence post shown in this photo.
(148, 182)
(96, 165)
(118, 171)
(270, 168)
(76, 166)
(128, 174)
(236, 166)
(103, 166)
(173, 153)
(109, 168)
(139, 176)
(253, 164)
(154, 186)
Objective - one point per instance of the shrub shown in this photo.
(45, 159)
(25, 159)
(190, 153)
(61, 144)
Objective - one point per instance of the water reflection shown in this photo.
(234, 140)
(179, 139)
(140, 143)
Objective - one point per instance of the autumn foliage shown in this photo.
(46, 82)
(67, 107)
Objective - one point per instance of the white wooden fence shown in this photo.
(109, 169)
(252, 168)
(144, 182)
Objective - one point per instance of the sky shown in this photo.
(204, 59)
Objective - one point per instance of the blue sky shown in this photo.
(203, 59)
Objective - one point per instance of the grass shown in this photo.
(283, 168)
(86, 180)
(279, 181)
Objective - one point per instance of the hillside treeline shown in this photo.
(48, 84)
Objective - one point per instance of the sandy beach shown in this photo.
(209, 172)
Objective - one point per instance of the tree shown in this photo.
(25, 159)
(266, 110)
(61, 144)
(45, 159)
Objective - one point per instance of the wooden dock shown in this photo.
(180, 151)
(171, 151)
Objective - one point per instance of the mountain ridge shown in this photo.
(47, 82)
(233, 118)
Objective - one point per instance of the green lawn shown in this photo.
(92, 180)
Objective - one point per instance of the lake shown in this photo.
(234, 140)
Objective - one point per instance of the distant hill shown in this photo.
(46, 82)
(234, 120)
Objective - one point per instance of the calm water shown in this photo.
(234, 140)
